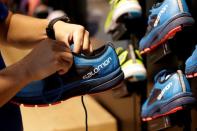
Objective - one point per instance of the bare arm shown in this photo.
(24, 32)
(12, 79)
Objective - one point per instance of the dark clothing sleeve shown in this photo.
(3, 12)
(10, 115)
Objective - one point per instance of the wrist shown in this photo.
(58, 31)
(52, 26)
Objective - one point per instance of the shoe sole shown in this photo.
(171, 107)
(127, 8)
(122, 10)
(169, 31)
(134, 72)
(100, 88)
(193, 75)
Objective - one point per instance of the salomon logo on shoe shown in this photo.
(98, 68)
(171, 92)
(163, 10)
(166, 88)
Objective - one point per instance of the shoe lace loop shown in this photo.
(162, 75)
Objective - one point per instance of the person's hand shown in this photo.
(48, 57)
(77, 34)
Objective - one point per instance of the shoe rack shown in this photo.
(172, 55)
(125, 103)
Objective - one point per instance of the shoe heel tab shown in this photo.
(183, 5)
(111, 44)
(179, 72)
(181, 78)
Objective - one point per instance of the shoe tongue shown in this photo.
(158, 3)
(162, 75)
(72, 48)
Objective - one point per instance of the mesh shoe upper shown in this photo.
(191, 63)
(160, 15)
(167, 86)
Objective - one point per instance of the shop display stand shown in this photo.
(180, 119)
(161, 52)
(119, 32)
(174, 48)
(137, 90)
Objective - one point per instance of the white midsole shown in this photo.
(125, 8)
(135, 69)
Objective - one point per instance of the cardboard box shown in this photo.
(68, 116)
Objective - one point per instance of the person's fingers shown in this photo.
(91, 47)
(65, 62)
(86, 42)
(61, 72)
(67, 39)
(78, 37)
(66, 57)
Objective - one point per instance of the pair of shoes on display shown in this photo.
(171, 92)
(191, 65)
(120, 8)
(89, 74)
(131, 64)
(165, 20)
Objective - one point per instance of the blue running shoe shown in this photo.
(89, 74)
(191, 65)
(166, 19)
(171, 92)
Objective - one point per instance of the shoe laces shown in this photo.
(156, 5)
(152, 17)
(163, 75)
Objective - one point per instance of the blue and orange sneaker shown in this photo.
(89, 74)
(191, 65)
(166, 19)
(171, 93)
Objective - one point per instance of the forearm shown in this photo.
(12, 80)
(25, 30)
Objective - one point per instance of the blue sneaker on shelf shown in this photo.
(89, 74)
(166, 19)
(171, 93)
(191, 65)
